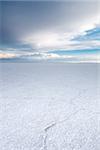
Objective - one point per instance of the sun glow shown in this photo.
(4, 56)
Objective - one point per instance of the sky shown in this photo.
(66, 31)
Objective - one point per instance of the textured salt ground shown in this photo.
(49, 107)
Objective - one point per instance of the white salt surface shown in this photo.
(49, 106)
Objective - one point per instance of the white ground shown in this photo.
(49, 106)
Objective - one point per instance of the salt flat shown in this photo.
(49, 106)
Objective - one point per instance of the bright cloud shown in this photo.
(68, 40)
(7, 55)
(33, 33)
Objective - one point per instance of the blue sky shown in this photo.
(92, 34)
(61, 31)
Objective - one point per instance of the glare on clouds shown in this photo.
(7, 55)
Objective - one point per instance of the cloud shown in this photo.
(75, 40)
(72, 57)
(92, 34)
(22, 19)
(7, 56)
(32, 29)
